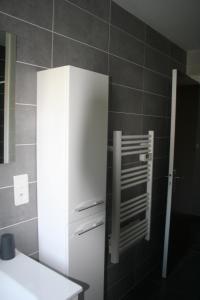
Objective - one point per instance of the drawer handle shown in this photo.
(80, 232)
(84, 207)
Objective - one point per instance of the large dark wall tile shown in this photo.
(37, 12)
(160, 126)
(161, 147)
(11, 214)
(26, 236)
(78, 24)
(160, 167)
(157, 61)
(99, 8)
(178, 53)
(128, 123)
(68, 52)
(157, 84)
(33, 43)
(126, 46)
(25, 163)
(126, 21)
(159, 196)
(158, 41)
(125, 73)
(123, 99)
(25, 129)
(156, 105)
(26, 84)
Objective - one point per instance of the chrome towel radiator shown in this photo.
(131, 219)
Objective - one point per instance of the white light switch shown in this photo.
(21, 190)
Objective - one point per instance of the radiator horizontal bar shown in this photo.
(135, 147)
(127, 202)
(124, 171)
(134, 173)
(129, 142)
(133, 214)
(135, 152)
(133, 179)
(131, 239)
(133, 232)
(133, 184)
(133, 226)
(134, 204)
(133, 209)
(131, 242)
(129, 137)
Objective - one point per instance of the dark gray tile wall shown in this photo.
(87, 34)
(85, 30)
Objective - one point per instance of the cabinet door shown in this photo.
(87, 142)
(86, 254)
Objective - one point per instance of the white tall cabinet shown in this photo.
(72, 113)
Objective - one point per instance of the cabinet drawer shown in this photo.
(86, 254)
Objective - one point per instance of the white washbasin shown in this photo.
(10, 289)
(22, 278)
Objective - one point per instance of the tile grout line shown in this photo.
(29, 64)
(27, 22)
(87, 11)
(43, 28)
(83, 43)
(6, 187)
(148, 45)
(110, 24)
(127, 33)
(19, 223)
(100, 50)
(80, 42)
(141, 66)
(114, 55)
(35, 25)
(12, 186)
(140, 90)
(136, 114)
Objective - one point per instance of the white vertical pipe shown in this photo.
(149, 185)
(170, 176)
(116, 196)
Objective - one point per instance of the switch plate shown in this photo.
(21, 189)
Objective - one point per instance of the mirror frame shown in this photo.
(9, 98)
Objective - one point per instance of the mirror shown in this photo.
(7, 96)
